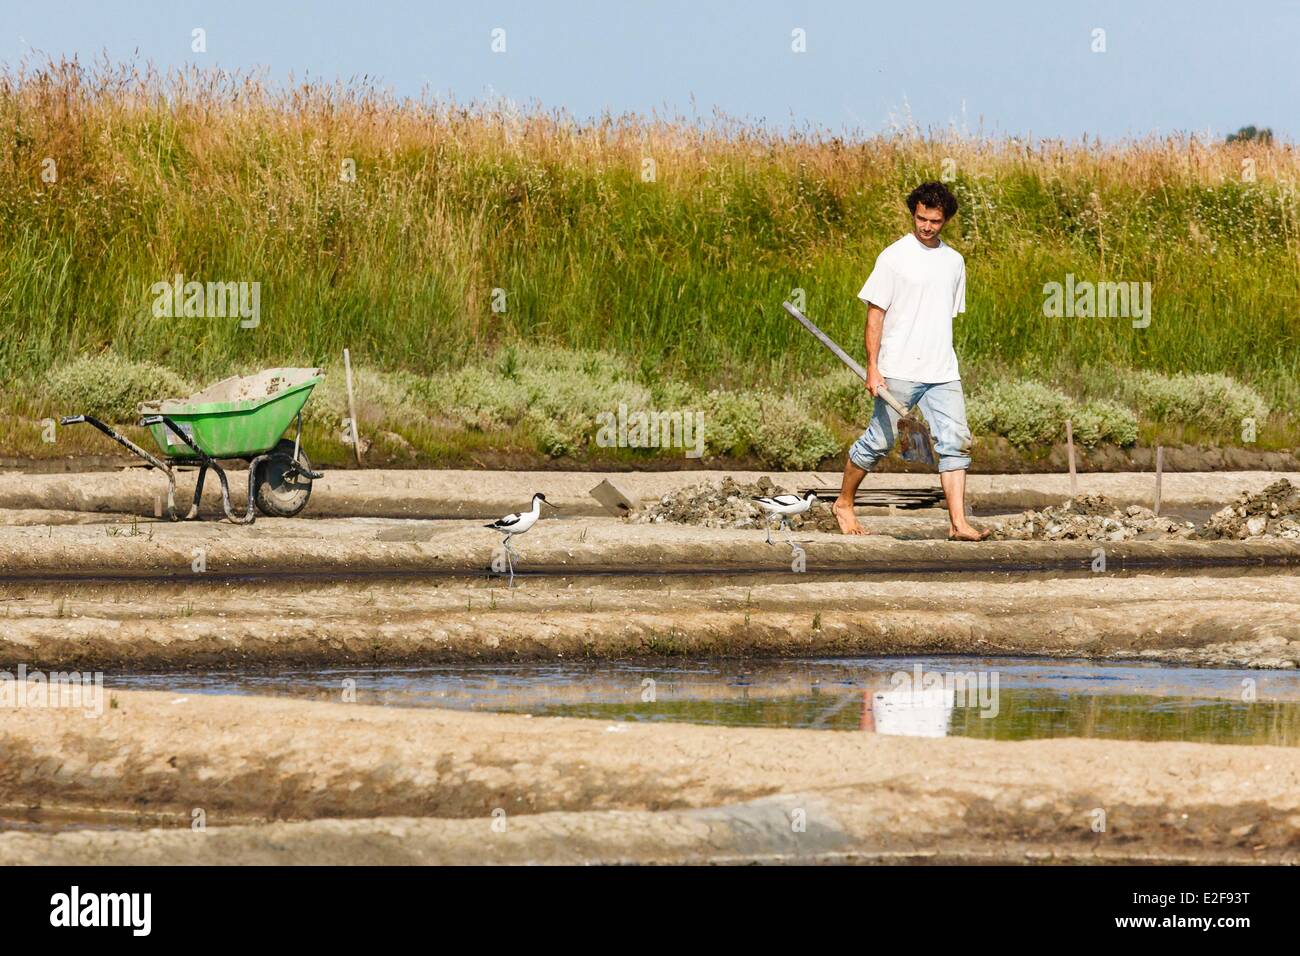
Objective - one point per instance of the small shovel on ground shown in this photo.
(915, 443)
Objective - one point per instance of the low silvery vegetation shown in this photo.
(549, 402)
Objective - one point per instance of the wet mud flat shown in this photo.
(291, 781)
(577, 772)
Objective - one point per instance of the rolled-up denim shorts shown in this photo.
(944, 408)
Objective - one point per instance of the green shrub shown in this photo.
(553, 394)
(380, 397)
(1025, 412)
(1031, 413)
(110, 387)
(788, 437)
(843, 395)
(476, 397)
(780, 430)
(1213, 402)
(1102, 420)
(672, 393)
(729, 420)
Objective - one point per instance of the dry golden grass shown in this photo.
(217, 176)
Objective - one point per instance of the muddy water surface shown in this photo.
(998, 698)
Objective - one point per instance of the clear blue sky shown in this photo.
(1005, 67)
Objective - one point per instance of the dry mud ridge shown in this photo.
(296, 782)
(132, 595)
(487, 494)
(89, 580)
(121, 626)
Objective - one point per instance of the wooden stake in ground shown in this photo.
(1069, 447)
(1160, 468)
(352, 406)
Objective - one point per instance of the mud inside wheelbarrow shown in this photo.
(237, 388)
(238, 417)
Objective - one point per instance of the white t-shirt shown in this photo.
(921, 290)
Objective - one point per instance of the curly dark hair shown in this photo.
(935, 195)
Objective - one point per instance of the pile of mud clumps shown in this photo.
(729, 504)
(1091, 518)
(1271, 513)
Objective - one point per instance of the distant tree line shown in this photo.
(1249, 134)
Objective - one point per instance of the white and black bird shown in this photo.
(517, 523)
(786, 506)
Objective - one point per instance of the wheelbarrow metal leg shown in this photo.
(207, 461)
(198, 493)
(248, 517)
(295, 467)
(171, 497)
(253, 465)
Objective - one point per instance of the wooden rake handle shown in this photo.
(843, 356)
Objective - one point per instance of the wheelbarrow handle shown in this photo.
(121, 439)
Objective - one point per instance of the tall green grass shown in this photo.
(219, 179)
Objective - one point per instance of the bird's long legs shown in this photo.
(510, 556)
(785, 526)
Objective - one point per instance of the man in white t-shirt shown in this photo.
(916, 289)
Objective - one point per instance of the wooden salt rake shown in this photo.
(915, 443)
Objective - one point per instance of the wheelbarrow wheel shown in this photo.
(282, 490)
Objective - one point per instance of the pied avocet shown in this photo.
(517, 523)
(786, 506)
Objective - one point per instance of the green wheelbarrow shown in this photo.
(239, 417)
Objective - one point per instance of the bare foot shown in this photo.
(848, 521)
(968, 533)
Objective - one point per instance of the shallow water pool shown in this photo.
(998, 698)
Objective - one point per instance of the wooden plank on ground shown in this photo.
(611, 499)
